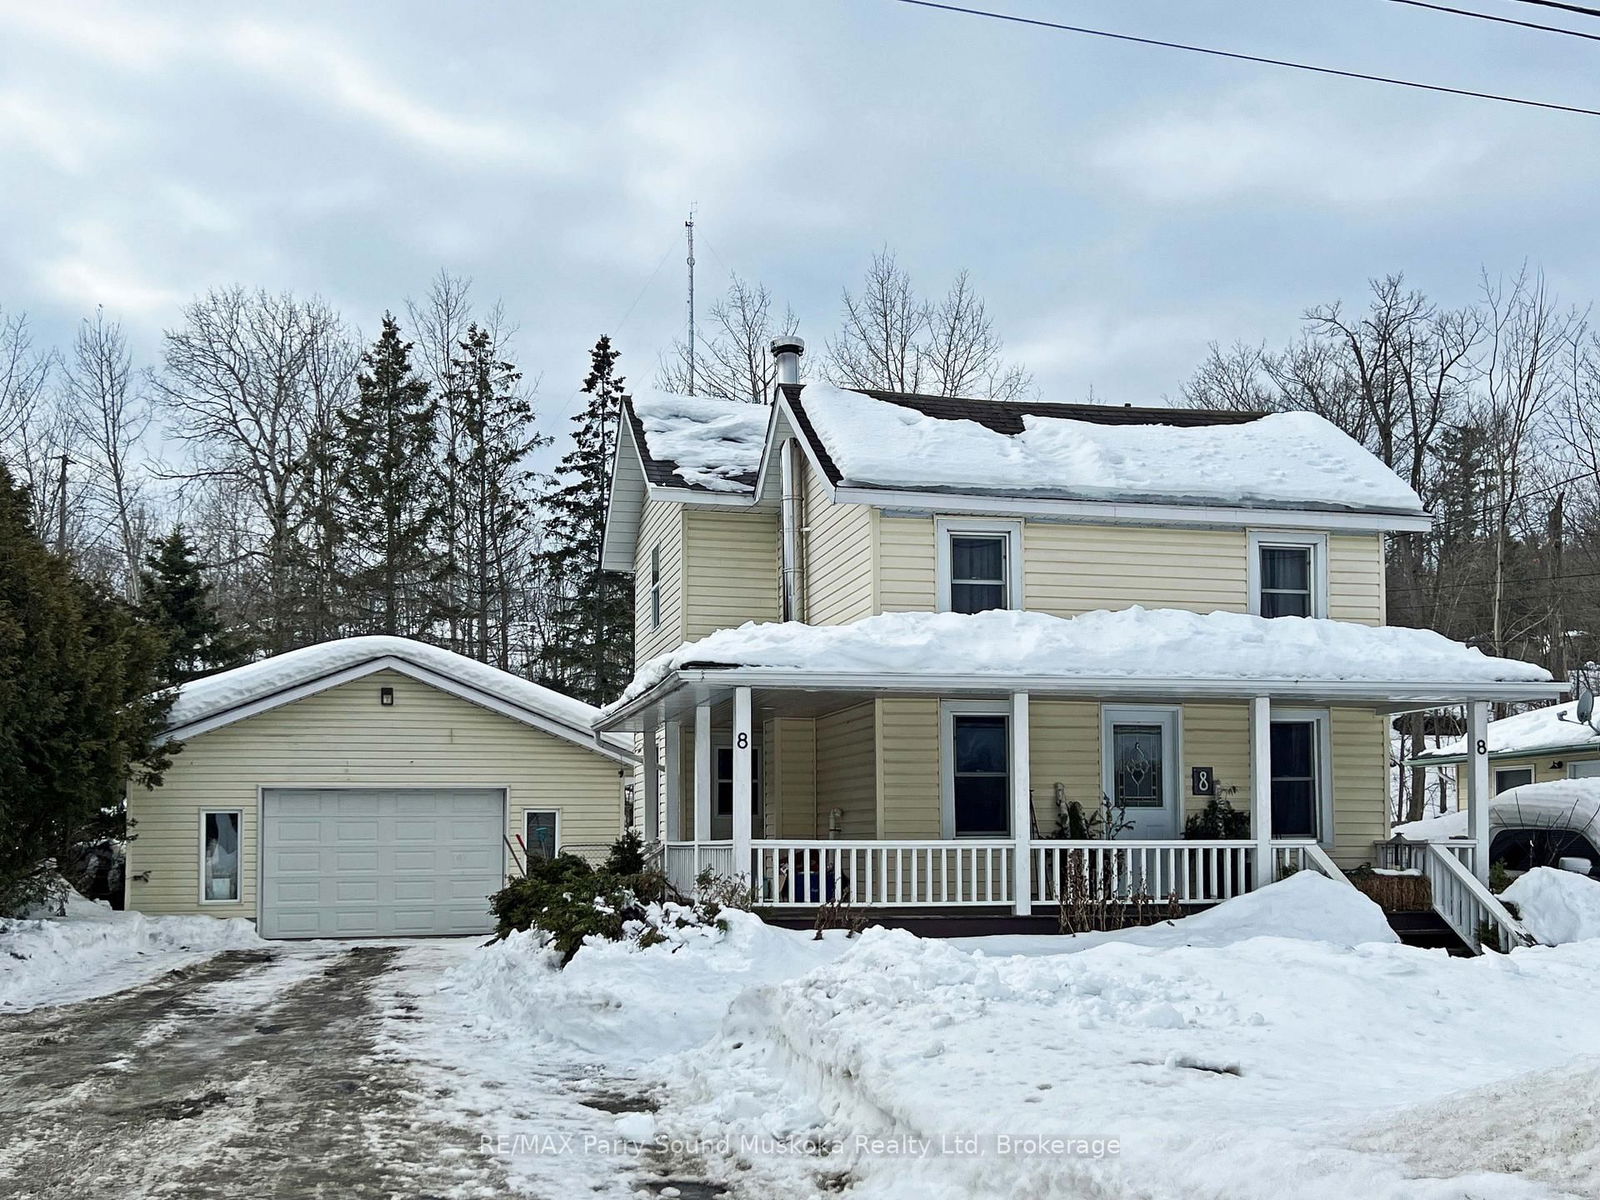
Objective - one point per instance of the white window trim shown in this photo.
(238, 813)
(948, 710)
(1168, 716)
(1533, 776)
(1317, 543)
(527, 833)
(1320, 718)
(1010, 530)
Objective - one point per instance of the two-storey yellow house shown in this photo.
(900, 649)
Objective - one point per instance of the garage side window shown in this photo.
(544, 834)
(219, 855)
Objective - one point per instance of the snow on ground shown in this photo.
(1265, 1067)
(1280, 460)
(1557, 906)
(94, 950)
(1148, 643)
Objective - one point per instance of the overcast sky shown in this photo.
(1118, 206)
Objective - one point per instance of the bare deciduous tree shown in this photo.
(735, 361)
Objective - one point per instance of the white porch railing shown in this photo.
(900, 874)
(1307, 856)
(1459, 896)
(1192, 872)
(682, 862)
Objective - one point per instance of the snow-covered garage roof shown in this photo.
(1136, 645)
(228, 696)
(1538, 731)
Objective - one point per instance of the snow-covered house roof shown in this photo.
(1559, 804)
(228, 696)
(1134, 650)
(1551, 730)
(1071, 461)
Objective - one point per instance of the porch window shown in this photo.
(1137, 766)
(978, 565)
(722, 792)
(981, 781)
(219, 855)
(1512, 777)
(1287, 577)
(543, 834)
(1295, 802)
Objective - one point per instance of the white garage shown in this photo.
(375, 862)
(368, 787)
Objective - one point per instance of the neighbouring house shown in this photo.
(367, 787)
(900, 649)
(1538, 746)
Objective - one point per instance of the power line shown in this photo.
(1253, 58)
(1574, 8)
(1483, 16)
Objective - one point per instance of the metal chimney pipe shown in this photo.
(786, 352)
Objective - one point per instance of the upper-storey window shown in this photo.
(1288, 574)
(655, 587)
(979, 565)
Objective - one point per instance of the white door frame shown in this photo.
(1322, 722)
(1170, 719)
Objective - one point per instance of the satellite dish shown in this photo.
(1585, 705)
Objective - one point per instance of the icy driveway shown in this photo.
(298, 1070)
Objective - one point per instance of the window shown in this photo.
(979, 565)
(219, 856)
(977, 776)
(543, 837)
(1286, 575)
(655, 587)
(1512, 777)
(722, 792)
(1136, 766)
(1299, 766)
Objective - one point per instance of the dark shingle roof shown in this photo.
(663, 472)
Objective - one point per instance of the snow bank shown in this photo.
(622, 1003)
(1434, 829)
(1282, 460)
(1531, 732)
(228, 689)
(94, 950)
(1557, 906)
(713, 444)
(1131, 643)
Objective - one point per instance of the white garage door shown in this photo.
(379, 862)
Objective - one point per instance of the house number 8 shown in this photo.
(1483, 747)
(744, 741)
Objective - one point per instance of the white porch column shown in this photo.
(1021, 807)
(650, 822)
(743, 778)
(673, 768)
(1478, 786)
(1261, 789)
(702, 777)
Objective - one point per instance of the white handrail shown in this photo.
(1308, 855)
(1466, 904)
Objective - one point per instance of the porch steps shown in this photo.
(1427, 930)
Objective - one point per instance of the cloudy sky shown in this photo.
(1118, 206)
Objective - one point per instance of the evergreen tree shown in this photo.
(177, 604)
(80, 713)
(589, 650)
(492, 420)
(388, 505)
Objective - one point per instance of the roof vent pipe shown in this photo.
(793, 570)
(786, 352)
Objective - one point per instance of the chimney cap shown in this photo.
(788, 345)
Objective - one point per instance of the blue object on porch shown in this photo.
(811, 890)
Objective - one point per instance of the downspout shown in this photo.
(793, 577)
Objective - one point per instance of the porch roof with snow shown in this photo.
(1085, 462)
(228, 696)
(1134, 653)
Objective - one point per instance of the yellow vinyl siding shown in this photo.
(907, 779)
(1360, 784)
(906, 564)
(845, 745)
(838, 555)
(789, 775)
(730, 571)
(1356, 578)
(661, 527)
(343, 738)
(1544, 770)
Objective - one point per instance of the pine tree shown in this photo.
(80, 709)
(177, 603)
(388, 505)
(494, 435)
(589, 651)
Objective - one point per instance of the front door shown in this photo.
(1296, 775)
(1139, 775)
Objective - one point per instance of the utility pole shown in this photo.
(689, 230)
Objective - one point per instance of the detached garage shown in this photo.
(366, 788)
